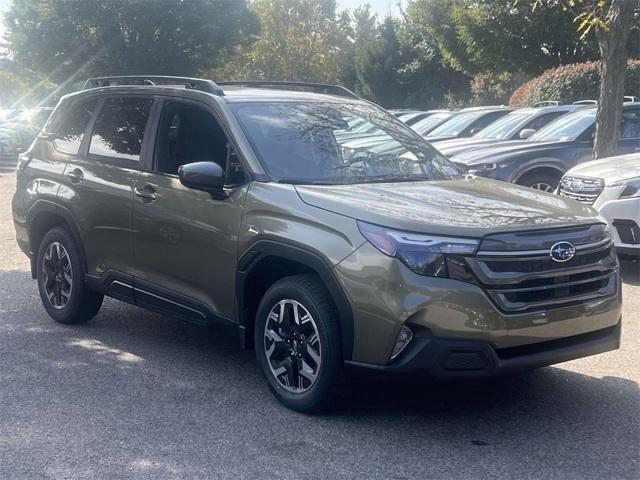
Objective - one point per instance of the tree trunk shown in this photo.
(613, 48)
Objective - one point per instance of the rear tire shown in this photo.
(543, 181)
(60, 273)
(298, 347)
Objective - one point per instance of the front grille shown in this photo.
(521, 280)
(585, 190)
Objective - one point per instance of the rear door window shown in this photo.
(69, 135)
(120, 127)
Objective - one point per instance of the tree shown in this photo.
(612, 21)
(70, 40)
(302, 40)
(494, 36)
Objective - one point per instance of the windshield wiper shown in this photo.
(393, 179)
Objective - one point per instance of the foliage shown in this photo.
(570, 83)
(12, 88)
(301, 40)
(493, 89)
(495, 36)
(67, 40)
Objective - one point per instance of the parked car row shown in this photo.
(18, 128)
(548, 148)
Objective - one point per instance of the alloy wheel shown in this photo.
(292, 346)
(545, 187)
(57, 275)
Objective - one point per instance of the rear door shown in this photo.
(98, 182)
(186, 240)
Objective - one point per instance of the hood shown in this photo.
(453, 147)
(468, 207)
(612, 169)
(490, 153)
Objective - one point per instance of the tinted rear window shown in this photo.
(69, 135)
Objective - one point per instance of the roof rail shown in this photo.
(312, 87)
(585, 102)
(546, 103)
(202, 84)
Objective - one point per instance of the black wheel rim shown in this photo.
(57, 275)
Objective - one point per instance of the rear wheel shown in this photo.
(546, 182)
(298, 346)
(63, 291)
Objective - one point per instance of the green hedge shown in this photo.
(568, 83)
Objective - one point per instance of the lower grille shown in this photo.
(585, 190)
(628, 231)
(519, 281)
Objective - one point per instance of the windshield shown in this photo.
(501, 128)
(457, 124)
(425, 125)
(305, 143)
(567, 127)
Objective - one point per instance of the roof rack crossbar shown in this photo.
(312, 87)
(202, 84)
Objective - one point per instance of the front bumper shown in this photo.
(445, 359)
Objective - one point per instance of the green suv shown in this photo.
(240, 203)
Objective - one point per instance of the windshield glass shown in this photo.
(425, 125)
(503, 127)
(310, 143)
(457, 124)
(567, 127)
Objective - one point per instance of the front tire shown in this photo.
(60, 273)
(298, 347)
(543, 181)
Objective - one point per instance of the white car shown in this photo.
(612, 186)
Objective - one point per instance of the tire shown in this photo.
(301, 394)
(59, 263)
(536, 180)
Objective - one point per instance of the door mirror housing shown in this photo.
(205, 176)
(526, 133)
(474, 131)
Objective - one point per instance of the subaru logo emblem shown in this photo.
(562, 251)
(576, 185)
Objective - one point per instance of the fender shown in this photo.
(539, 163)
(267, 248)
(42, 206)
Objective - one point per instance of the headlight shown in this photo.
(631, 187)
(429, 255)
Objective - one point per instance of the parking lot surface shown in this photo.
(134, 394)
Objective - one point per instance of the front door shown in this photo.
(185, 241)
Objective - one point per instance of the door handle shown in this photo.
(147, 193)
(75, 175)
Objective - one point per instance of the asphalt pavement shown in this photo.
(134, 394)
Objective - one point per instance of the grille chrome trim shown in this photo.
(544, 251)
(582, 189)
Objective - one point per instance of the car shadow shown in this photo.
(132, 369)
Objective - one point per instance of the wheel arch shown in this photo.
(290, 260)
(42, 217)
(543, 165)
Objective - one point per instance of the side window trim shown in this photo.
(162, 101)
(116, 161)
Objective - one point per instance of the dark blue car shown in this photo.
(540, 162)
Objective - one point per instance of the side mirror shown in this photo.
(526, 133)
(205, 176)
(474, 131)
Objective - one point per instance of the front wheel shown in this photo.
(297, 340)
(543, 181)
